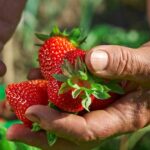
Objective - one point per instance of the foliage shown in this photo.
(2, 92)
(7, 145)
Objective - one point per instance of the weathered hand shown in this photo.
(84, 132)
(127, 114)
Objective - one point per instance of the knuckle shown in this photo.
(124, 63)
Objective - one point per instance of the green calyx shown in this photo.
(74, 36)
(84, 85)
(51, 137)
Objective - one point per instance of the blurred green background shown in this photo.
(121, 22)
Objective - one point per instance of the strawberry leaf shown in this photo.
(86, 102)
(60, 77)
(51, 105)
(67, 67)
(116, 88)
(42, 37)
(71, 84)
(101, 95)
(83, 75)
(97, 87)
(51, 137)
(75, 33)
(55, 31)
(35, 127)
(64, 88)
(76, 93)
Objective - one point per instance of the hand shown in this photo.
(2, 68)
(128, 114)
(8, 23)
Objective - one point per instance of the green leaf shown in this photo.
(55, 31)
(97, 87)
(52, 138)
(86, 102)
(101, 95)
(106, 89)
(116, 88)
(64, 33)
(71, 84)
(67, 68)
(51, 105)
(35, 127)
(42, 37)
(60, 77)
(2, 92)
(83, 75)
(75, 34)
(64, 88)
(76, 93)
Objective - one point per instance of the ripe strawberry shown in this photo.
(73, 55)
(75, 89)
(64, 101)
(55, 46)
(98, 104)
(25, 94)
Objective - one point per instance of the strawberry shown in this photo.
(55, 46)
(65, 102)
(22, 95)
(73, 55)
(98, 104)
(73, 88)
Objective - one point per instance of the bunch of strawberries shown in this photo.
(68, 85)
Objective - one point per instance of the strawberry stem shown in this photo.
(74, 35)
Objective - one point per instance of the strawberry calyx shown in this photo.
(35, 127)
(74, 36)
(83, 84)
(51, 137)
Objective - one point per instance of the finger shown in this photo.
(25, 135)
(34, 74)
(38, 139)
(2, 68)
(120, 62)
(63, 124)
(126, 115)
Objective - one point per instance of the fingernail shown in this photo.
(99, 60)
(33, 118)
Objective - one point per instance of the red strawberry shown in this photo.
(25, 94)
(98, 104)
(72, 55)
(55, 46)
(79, 89)
(52, 52)
(64, 101)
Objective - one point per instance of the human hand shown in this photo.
(8, 23)
(128, 114)
(2, 68)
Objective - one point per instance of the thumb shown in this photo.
(118, 62)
